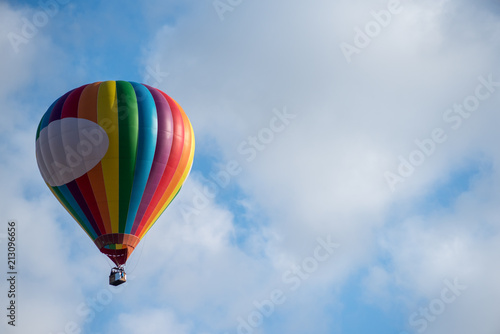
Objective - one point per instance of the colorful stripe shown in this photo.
(115, 154)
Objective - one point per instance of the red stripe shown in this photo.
(70, 107)
(85, 188)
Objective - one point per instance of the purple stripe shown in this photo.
(80, 200)
(56, 112)
(162, 152)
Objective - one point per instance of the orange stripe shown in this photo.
(87, 108)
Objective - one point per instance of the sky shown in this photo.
(346, 177)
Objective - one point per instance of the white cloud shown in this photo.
(150, 321)
(325, 172)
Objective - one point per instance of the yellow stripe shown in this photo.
(185, 174)
(107, 118)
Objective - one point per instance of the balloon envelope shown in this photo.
(115, 154)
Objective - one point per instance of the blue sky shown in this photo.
(370, 198)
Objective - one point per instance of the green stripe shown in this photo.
(128, 124)
(38, 130)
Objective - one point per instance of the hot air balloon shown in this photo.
(115, 154)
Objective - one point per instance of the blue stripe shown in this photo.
(148, 128)
(45, 119)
